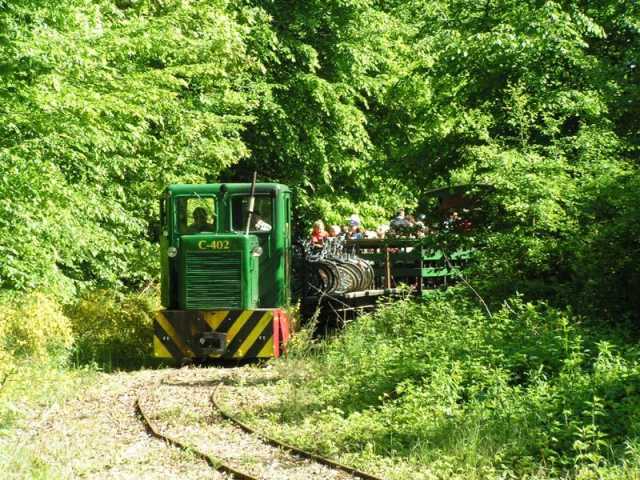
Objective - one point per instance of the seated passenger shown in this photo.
(200, 222)
(466, 225)
(355, 230)
(318, 234)
(399, 224)
(382, 231)
(356, 233)
(334, 231)
(399, 220)
(451, 223)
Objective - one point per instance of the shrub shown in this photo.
(530, 388)
(113, 329)
(35, 327)
(6, 362)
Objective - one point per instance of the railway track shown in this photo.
(187, 413)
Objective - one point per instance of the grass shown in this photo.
(68, 423)
(32, 393)
(54, 354)
(417, 390)
(445, 391)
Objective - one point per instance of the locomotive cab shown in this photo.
(224, 273)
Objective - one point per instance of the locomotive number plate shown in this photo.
(214, 245)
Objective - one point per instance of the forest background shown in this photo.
(358, 105)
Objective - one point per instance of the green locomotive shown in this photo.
(225, 271)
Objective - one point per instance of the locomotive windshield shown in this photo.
(196, 214)
(262, 219)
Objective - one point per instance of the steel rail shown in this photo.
(214, 462)
(285, 446)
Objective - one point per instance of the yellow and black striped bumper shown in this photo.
(180, 334)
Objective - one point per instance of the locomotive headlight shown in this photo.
(257, 251)
(172, 252)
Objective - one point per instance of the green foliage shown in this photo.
(529, 391)
(7, 367)
(527, 97)
(112, 329)
(608, 257)
(359, 106)
(102, 105)
(328, 66)
(103, 327)
(36, 328)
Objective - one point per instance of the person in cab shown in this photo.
(200, 223)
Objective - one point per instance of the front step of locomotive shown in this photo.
(225, 334)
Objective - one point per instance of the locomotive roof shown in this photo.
(214, 188)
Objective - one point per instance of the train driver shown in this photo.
(200, 222)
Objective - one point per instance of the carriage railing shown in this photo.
(411, 261)
(340, 266)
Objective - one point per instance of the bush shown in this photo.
(113, 329)
(35, 327)
(525, 391)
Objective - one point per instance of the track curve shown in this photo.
(291, 462)
(277, 443)
(214, 462)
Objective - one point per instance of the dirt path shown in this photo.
(97, 436)
(181, 409)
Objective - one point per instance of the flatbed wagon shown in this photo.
(400, 266)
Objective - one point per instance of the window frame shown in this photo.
(176, 202)
(268, 195)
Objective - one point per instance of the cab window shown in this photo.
(196, 214)
(262, 219)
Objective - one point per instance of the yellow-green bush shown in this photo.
(113, 328)
(35, 327)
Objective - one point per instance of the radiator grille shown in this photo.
(213, 280)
